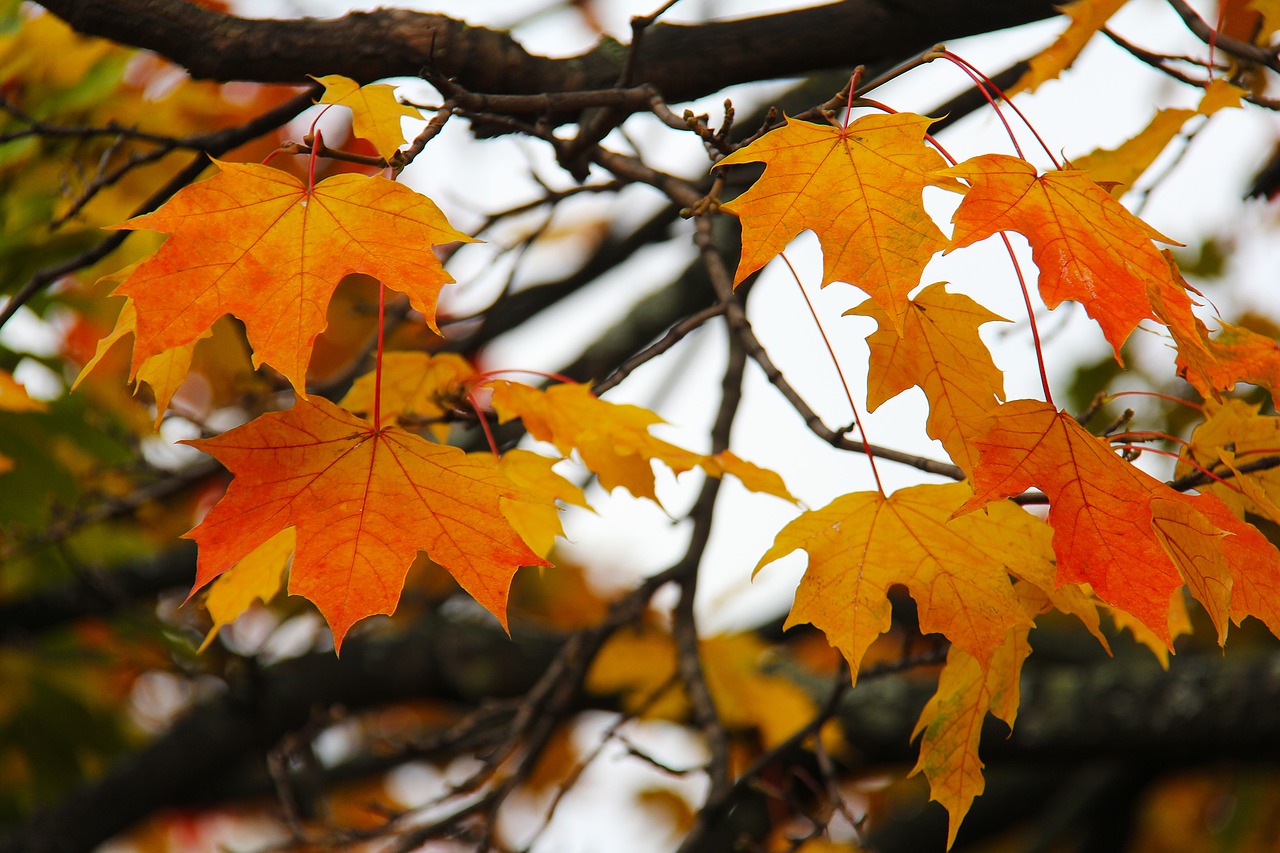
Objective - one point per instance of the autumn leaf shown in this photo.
(1086, 18)
(417, 389)
(255, 578)
(1118, 169)
(1129, 536)
(14, 396)
(641, 666)
(364, 503)
(858, 188)
(1215, 364)
(1087, 246)
(1236, 428)
(940, 351)
(163, 372)
(538, 523)
(613, 439)
(376, 113)
(956, 569)
(951, 722)
(252, 241)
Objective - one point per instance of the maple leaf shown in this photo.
(939, 350)
(1129, 536)
(364, 503)
(1119, 168)
(254, 242)
(1086, 18)
(255, 578)
(417, 388)
(376, 113)
(1235, 429)
(956, 569)
(1087, 246)
(858, 188)
(1216, 364)
(538, 523)
(614, 440)
(951, 722)
(163, 372)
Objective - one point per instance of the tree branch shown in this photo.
(1203, 709)
(681, 61)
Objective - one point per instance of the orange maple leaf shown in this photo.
(1087, 246)
(364, 503)
(956, 569)
(1216, 364)
(255, 242)
(1128, 535)
(939, 350)
(858, 188)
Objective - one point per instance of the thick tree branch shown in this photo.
(1203, 709)
(683, 62)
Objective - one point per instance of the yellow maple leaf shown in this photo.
(417, 388)
(1119, 168)
(538, 523)
(255, 578)
(1086, 18)
(614, 440)
(956, 569)
(163, 372)
(1234, 429)
(376, 113)
(951, 722)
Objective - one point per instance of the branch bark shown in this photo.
(681, 61)
(1203, 709)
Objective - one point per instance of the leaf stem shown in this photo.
(986, 86)
(377, 361)
(1031, 318)
(839, 371)
(1169, 397)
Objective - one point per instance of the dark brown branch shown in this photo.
(1203, 709)
(683, 62)
(1239, 49)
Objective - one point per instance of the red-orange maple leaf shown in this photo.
(858, 188)
(1128, 535)
(1087, 246)
(364, 503)
(1216, 364)
(255, 242)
